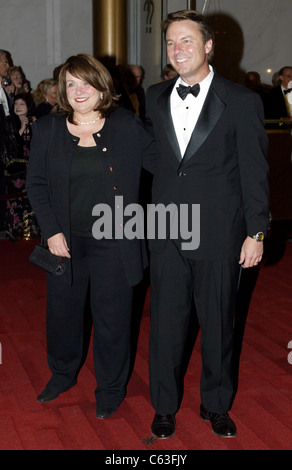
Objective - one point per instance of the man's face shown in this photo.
(4, 65)
(286, 77)
(136, 74)
(187, 52)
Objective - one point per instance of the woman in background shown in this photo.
(16, 76)
(18, 206)
(45, 97)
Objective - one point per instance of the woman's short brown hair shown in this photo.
(87, 68)
(204, 27)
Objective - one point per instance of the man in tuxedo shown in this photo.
(277, 105)
(4, 67)
(212, 152)
(276, 101)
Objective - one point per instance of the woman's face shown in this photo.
(20, 108)
(16, 79)
(82, 96)
(51, 95)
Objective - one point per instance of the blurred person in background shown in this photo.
(45, 97)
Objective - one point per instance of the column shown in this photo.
(110, 30)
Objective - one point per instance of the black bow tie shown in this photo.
(183, 91)
(287, 91)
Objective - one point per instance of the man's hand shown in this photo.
(251, 253)
(58, 246)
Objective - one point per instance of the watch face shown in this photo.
(260, 236)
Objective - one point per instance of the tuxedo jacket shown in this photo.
(122, 144)
(275, 105)
(224, 168)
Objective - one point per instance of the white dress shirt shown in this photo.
(288, 98)
(185, 113)
(3, 101)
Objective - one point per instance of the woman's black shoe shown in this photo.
(105, 413)
(47, 395)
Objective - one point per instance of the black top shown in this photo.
(87, 188)
(122, 144)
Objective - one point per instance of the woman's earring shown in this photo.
(101, 96)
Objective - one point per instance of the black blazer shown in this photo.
(123, 144)
(224, 168)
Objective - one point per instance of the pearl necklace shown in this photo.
(87, 122)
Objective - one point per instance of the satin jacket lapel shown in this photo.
(211, 112)
(165, 112)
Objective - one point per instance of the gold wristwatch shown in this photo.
(259, 237)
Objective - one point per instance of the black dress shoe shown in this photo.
(50, 393)
(105, 412)
(47, 395)
(163, 426)
(222, 424)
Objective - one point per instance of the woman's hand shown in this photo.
(24, 121)
(58, 246)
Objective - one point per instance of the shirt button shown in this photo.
(104, 149)
(111, 168)
(115, 188)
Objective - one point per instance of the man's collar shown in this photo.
(205, 80)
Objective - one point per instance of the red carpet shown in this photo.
(262, 408)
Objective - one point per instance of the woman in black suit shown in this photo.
(92, 154)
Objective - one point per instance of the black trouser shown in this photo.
(175, 282)
(98, 274)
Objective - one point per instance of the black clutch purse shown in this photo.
(44, 259)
